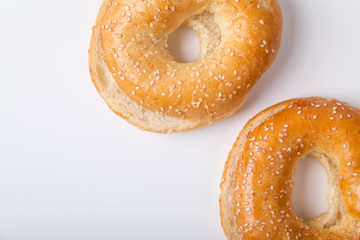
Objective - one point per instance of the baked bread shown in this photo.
(255, 202)
(140, 81)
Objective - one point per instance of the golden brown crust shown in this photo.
(119, 102)
(122, 105)
(255, 202)
(133, 36)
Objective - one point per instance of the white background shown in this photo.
(71, 169)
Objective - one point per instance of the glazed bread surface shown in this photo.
(132, 69)
(255, 202)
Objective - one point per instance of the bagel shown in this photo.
(255, 199)
(133, 71)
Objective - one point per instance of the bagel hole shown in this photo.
(196, 39)
(311, 188)
(183, 45)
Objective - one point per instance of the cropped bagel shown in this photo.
(255, 202)
(140, 81)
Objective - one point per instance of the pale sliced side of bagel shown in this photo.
(128, 109)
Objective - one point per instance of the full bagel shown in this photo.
(133, 71)
(255, 202)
